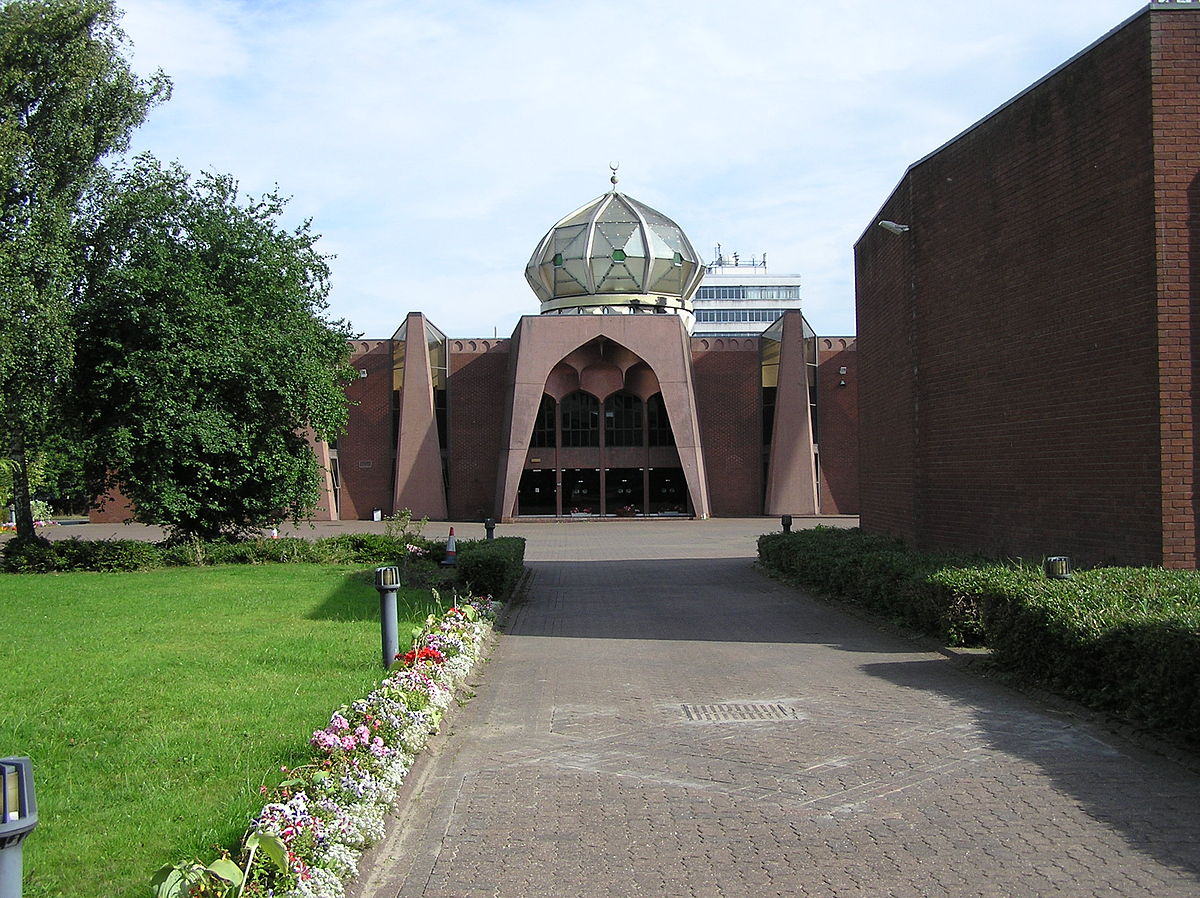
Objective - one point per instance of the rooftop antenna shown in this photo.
(614, 166)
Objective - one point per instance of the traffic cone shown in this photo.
(451, 558)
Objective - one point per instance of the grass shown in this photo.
(155, 704)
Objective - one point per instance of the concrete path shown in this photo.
(660, 719)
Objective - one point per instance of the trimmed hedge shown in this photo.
(878, 573)
(491, 567)
(1123, 640)
(43, 556)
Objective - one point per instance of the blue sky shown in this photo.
(434, 143)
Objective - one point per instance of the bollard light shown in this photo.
(18, 817)
(387, 581)
(786, 521)
(1058, 567)
(489, 526)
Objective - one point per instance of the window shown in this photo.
(580, 414)
(658, 426)
(622, 420)
(543, 425)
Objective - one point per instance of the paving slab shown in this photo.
(659, 718)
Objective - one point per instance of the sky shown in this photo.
(433, 143)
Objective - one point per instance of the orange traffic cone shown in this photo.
(451, 558)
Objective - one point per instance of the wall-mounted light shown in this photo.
(842, 370)
(893, 227)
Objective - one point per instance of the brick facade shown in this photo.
(729, 410)
(1026, 361)
(837, 433)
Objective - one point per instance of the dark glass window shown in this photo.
(622, 420)
(580, 420)
(543, 425)
(657, 424)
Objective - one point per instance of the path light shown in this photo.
(18, 817)
(786, 521)
(489, 526)
(1058, 567)
(387, 581)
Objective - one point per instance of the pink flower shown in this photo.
(348, 742)
(338, 722)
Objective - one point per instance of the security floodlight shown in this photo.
(893, 227)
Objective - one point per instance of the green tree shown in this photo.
(67, 99)
(204, 356)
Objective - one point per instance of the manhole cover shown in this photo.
(743, 711)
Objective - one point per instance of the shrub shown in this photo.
(491, 566)
(1124, 640)
(44, 557)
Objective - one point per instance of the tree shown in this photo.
(203, 354)
(67, 99)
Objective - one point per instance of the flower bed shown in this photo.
(308, 838)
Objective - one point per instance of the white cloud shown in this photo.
(433, 143)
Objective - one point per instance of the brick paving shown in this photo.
(658, 718)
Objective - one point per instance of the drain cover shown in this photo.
(728, 713)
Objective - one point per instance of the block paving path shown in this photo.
(658, 718)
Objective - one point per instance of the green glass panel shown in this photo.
(618, 255)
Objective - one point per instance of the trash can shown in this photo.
(376, 514)
(18, 817)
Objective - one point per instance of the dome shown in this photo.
(615, 256)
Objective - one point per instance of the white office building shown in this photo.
(738, 298)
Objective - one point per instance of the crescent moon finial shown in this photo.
(614, 166)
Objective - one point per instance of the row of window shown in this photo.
(627, 421)
(748, 292)
(738, 314)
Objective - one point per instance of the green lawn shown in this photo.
(155, 704)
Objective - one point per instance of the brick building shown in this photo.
(603, 404)
(1027, 316)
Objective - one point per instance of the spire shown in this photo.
(614, 166)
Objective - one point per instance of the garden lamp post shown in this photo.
(1058, 567)
(387, 581)
(18, 817)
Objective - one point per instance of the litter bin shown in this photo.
(18, 817)
(376, 514)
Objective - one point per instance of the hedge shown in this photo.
(43, 556)
(1122, 640)
(491, 567)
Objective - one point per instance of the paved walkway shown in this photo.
(660, 719)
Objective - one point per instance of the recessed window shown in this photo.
(677, 259)
(618, 255)
(558, 260)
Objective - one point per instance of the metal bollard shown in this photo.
(786, 520)
(18, 817)
(387, 580)
(489, 525)
(1058, 567)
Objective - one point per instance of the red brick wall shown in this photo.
(887, 397)
(837, 428)
(728, 378)
(1175, 58)
(476, 391)
(365, 451)
(1008, 342)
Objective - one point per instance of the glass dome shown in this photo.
(615, 256)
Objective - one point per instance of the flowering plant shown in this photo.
(306, 841)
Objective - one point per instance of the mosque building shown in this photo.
(602, 405)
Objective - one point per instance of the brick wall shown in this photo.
(476, 389)
(728, 380)
(887, 398)
(837, 429)
(1008, 342)
(1175, 61)
(365, 451)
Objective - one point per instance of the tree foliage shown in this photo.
(204, 355)
(67, 99)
